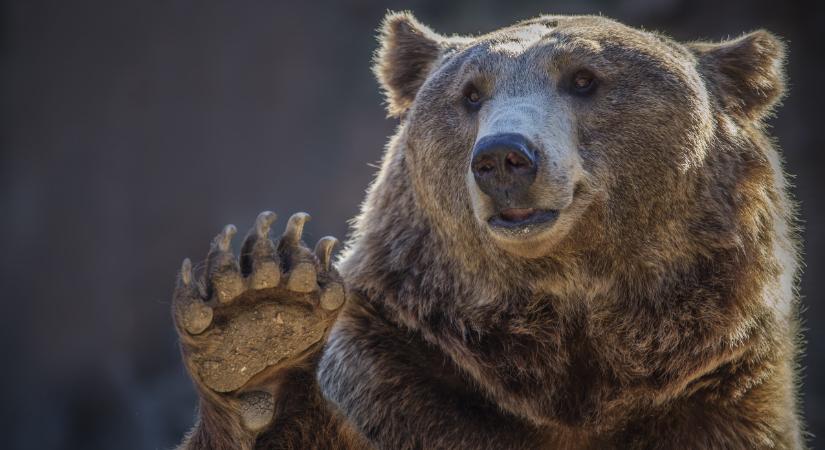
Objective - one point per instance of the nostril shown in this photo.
(516, 160)
(485, 166)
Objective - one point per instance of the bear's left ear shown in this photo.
(407, 53)
(747, 71)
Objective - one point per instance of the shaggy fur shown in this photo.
(662, 315)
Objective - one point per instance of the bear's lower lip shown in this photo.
(523, 220)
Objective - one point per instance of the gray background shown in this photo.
(132, 131)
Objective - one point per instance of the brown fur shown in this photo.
(664, 317)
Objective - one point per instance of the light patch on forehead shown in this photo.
(574, 42)
(558, 49)
(517, 40)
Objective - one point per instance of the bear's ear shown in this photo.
(407, 53)
(747, 72)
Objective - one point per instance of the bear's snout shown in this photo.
(504, 167)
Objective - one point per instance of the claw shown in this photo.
(323, 250)
(264, 222)
(295, 227)
(186, 272)
(224, 238)
(223, 273)
(190, 311)
(259, 260)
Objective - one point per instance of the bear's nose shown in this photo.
(504, 166)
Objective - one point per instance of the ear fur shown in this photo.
(407, 52)
(747, 72)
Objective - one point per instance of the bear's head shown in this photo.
(566, 132)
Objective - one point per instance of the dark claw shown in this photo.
(264, 222)
(295, 227)
(323, 251)
(186, 272)
(223, 273)
(297, 259)
(259, 260)
(224, 239)
(192, 314)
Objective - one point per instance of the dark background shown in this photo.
(132, 131)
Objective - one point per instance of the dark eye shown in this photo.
(583, 82)
(472, 97)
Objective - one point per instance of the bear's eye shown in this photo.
(584, 82)
(472, 97)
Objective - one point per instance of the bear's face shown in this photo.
(523, 130)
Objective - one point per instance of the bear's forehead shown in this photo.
(564, 39)
(566, 34)
(516, 40)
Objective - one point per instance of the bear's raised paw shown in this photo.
(263, 309)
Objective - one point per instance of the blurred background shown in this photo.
(133, 131)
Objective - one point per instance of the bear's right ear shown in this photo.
(407, 53)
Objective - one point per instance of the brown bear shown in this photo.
(580, 238)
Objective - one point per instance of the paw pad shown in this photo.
(257, 310)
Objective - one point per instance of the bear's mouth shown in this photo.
(523, 220)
